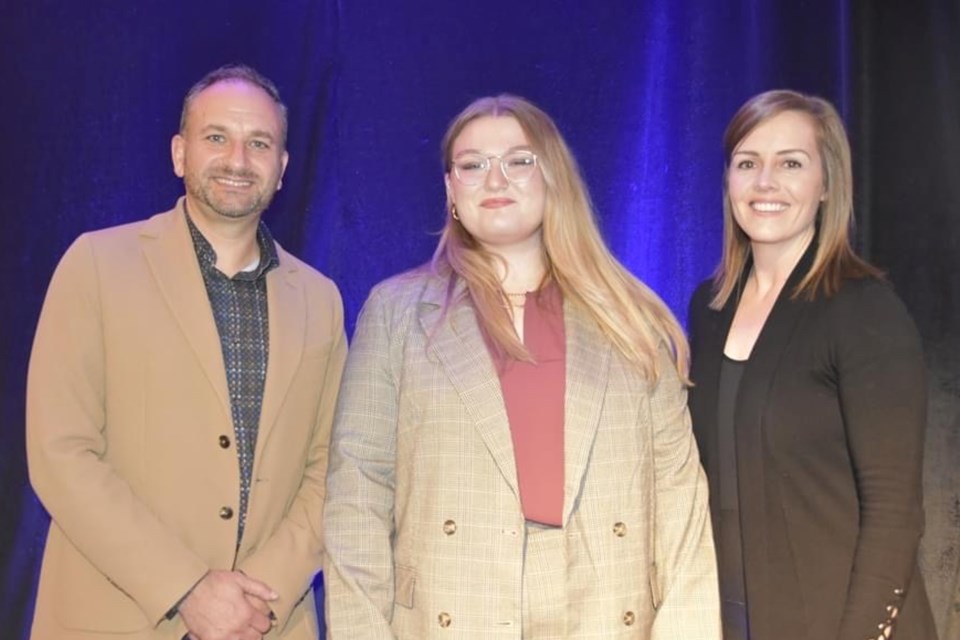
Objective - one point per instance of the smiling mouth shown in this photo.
(769, 207)
(233, 182)
(496, 203)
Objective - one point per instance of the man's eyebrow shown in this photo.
(748, 152)
(256, 133)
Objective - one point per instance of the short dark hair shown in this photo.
(236, 73)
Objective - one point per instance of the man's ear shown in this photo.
(177, 152)
(284, 159)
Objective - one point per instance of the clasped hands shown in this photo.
(228, 605)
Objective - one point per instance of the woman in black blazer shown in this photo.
(809, 400)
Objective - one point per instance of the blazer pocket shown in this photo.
(405, 580)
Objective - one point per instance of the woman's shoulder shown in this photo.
(871, 305)
(700, 300)
(864, 295)
(704, 293)
(404, 287)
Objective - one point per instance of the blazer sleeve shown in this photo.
(686, 576)
(66, 447)
(288, 560)
(358, 574)
(883, 398)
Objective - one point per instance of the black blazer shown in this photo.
(829, 425)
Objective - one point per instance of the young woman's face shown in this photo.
(775, 182)
(499, 212)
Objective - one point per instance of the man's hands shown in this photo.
(227, 605)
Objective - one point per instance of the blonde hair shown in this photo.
(835, 259)
(627, 312)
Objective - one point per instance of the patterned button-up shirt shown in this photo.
(239, 307)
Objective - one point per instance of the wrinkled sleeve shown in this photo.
(686, 577)
(67, 443)
(883, 398)
(359, 573)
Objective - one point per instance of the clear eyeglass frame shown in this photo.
(517, 167)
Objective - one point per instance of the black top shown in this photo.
(727, 527)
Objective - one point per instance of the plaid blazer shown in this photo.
(423, 525)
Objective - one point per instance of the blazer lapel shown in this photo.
(587, 373)
(767, 350)
(460, 348)
(286, 312)
(172, 259)
(758, 487)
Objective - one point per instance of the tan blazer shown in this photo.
(424, 530)
(130, 436)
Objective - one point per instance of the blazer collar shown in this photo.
(460, 348)
(170, 254)
(458, 344)
(287, 313)
(588, 368)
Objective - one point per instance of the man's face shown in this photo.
(230, 154)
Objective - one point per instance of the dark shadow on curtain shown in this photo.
(908, 152)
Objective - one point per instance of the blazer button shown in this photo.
(449, 527)
(619, 529)
(444, 619)
(224, 442)
(629, 618)
(226, 513)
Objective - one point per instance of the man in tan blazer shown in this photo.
(179, 401)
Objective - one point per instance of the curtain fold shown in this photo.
(641, 89)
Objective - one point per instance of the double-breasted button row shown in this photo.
(619, 529)
(444, 619)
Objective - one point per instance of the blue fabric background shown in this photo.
(642, 90)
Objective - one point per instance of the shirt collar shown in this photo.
(208, 256)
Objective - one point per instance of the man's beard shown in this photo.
(231, 207)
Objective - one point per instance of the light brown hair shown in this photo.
(835, 259)
(635, 320)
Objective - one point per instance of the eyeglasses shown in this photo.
(517, 166)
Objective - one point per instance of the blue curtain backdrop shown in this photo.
(641, 88)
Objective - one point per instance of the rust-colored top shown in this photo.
(534, 398)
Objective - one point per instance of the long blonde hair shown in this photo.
(835, 259)
(628, 313)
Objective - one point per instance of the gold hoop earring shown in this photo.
(453, 212)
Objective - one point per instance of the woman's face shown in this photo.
(499, 213)
(775, 183)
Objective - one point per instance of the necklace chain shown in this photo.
(517, 300)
